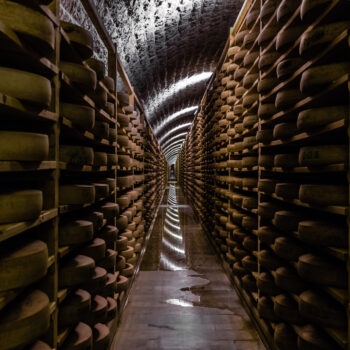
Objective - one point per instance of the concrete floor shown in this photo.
(182, 299)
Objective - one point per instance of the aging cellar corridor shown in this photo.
(181, 298)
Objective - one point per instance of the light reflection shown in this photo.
(176, 227)
(172, 218)
(173, 130)
(172, 234)
(173, 247)
(169, 265)
(179, 302)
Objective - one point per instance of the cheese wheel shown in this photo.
(75, 232)
(266, 186)
(240, 37)
(249, 99)
(83, 116)
(286, 160)
(238, 109)
(112, 134)
(288, 249)
(285, 11)
(25, 320)
(266, 160)
(250, 263)
(76, 194)
(268, 59)
(97, 282)
(100, 158)
(249, 283)
(39, 345)
(108, 262)
(101, 190)
(80, 338)
(98, 66)
(249, 141)
(287, 190)
(109, 235)
(250, 58)
(20, 205)
(80, 75)
(265, 309)
(287, 220)
(122, 284)
(23, 264)
(110, 210)
(232, 51)
(320, 37)
(128, 271)
(240, 73)
(324, 194)
(322, 310)
(248, 162)
(323, 233)
(96, 249)
(101, 130)
(122, 222)
(111, 309)
(249, 39)
(23, 146)
(100, 97)
(287, 279)
(80, 38)
(249, 203)
(77, 155)
(311, 337)
(74, 308)
(267, 34)
(25, 86)
(288, 36)
(109, 108)
(76, 271)
(323, 271)
(267, 234)
(96, 218)
(323, 155)
(125, 181)
(111, 182)
(287, 67)
(123, 98)
(267, 10)
(266, 110)
(266, 284)
(264, 136)
(285, 337)
(101, 336)
(287, 98)
(316, 117)
(34, 26)
(316, 78)
(269, 260)
(284, 130)
(110, 83)
(267, 210)
(252, 16)
(265, 85)
(286, 308)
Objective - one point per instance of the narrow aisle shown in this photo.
(182, 299)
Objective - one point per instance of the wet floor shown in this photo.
(182, 299)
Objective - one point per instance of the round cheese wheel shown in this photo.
(110, 210)
(288, 36)
(324, 194)
(39, 345)
(287, 67)
(23, 146)
(316, 78)
(100, 97)
(111, 309)
(249, 283)
(267, 34)
(287, 190)
(121, 261)
(250, 263)
(232, 51)
(287, 98)
(109, 108)
(95, 249)
(122, 284)
(100, 158)
(323, 233)
(22, 264)
(124, 98)
(323, 271)
(96, 218)
(320, 37)
(264, 136)
(76, 271)
(266, 284)
(110, 83)
(284, 130)
(76, 194)
(128, 271)
(25, 86)
(316, 117)
(127, 253)
(286, 309)
(83, 116)
(101, 190)
(323, 155)
(267, 10)
(101, 336)
(80, 75)
(74, 308)
(287, 220)
(112, 134)
(240, 73)
(265, 85)
(322, 310)
(75, 232)
(25, 320)
(285, 11)
(98, 66)
(287, 248)
(109, 234)
(267, 210)
(266, 110)
(269, 260)
(81, 39)
(248, 162)
(97, 282)
(249, 38)
(249, 223)
(286, 160)
(33, 24)
(285, 337)
(250, 58)
(265, 309)
(311, 337)
(249, 79)
(122, 222)
(80, 338)
(288, 280)
(266, 186)
(249, 99)
(77, 155)
(108, 262)
(267, 234)
(268, 59)
(249, 141)
(240, 37)
(101, 130)
(111, 182)
(20, 205)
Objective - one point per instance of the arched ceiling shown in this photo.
(169, 49)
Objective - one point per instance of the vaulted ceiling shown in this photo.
(169, 49)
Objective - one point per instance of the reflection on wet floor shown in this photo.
(181, 299)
